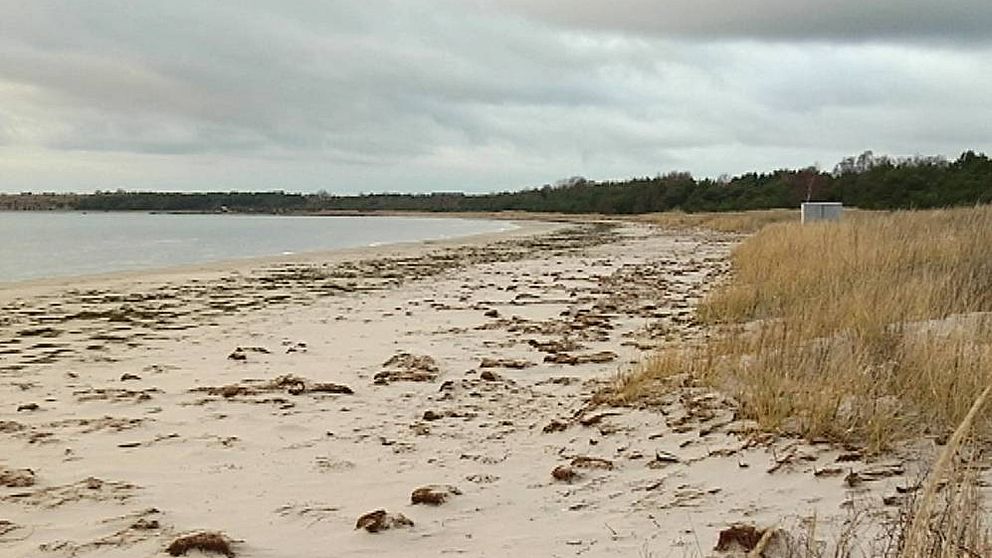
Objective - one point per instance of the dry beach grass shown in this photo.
(728, 222)
(870, 333)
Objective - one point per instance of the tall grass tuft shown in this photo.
(953, 527)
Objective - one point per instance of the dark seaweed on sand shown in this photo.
(205, 542)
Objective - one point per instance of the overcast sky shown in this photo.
(476, 95)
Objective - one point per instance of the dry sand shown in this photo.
(137, 408)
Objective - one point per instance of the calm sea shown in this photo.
(52, 244)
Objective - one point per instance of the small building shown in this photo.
(821, 211)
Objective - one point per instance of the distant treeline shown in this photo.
(866, 181)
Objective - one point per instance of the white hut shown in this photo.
(821, 211)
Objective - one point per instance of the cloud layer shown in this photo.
(960, 21)
(419, 95)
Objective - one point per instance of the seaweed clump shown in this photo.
(204, 541)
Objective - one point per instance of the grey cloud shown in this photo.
(439, 94)
(780, 20)
(298, 79)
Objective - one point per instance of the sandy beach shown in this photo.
(277, 401)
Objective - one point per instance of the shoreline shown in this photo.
(30, 287)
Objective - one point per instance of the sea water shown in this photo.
(35, 245)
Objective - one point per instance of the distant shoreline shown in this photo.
(867, 181)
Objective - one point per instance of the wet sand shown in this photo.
(277, 401)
